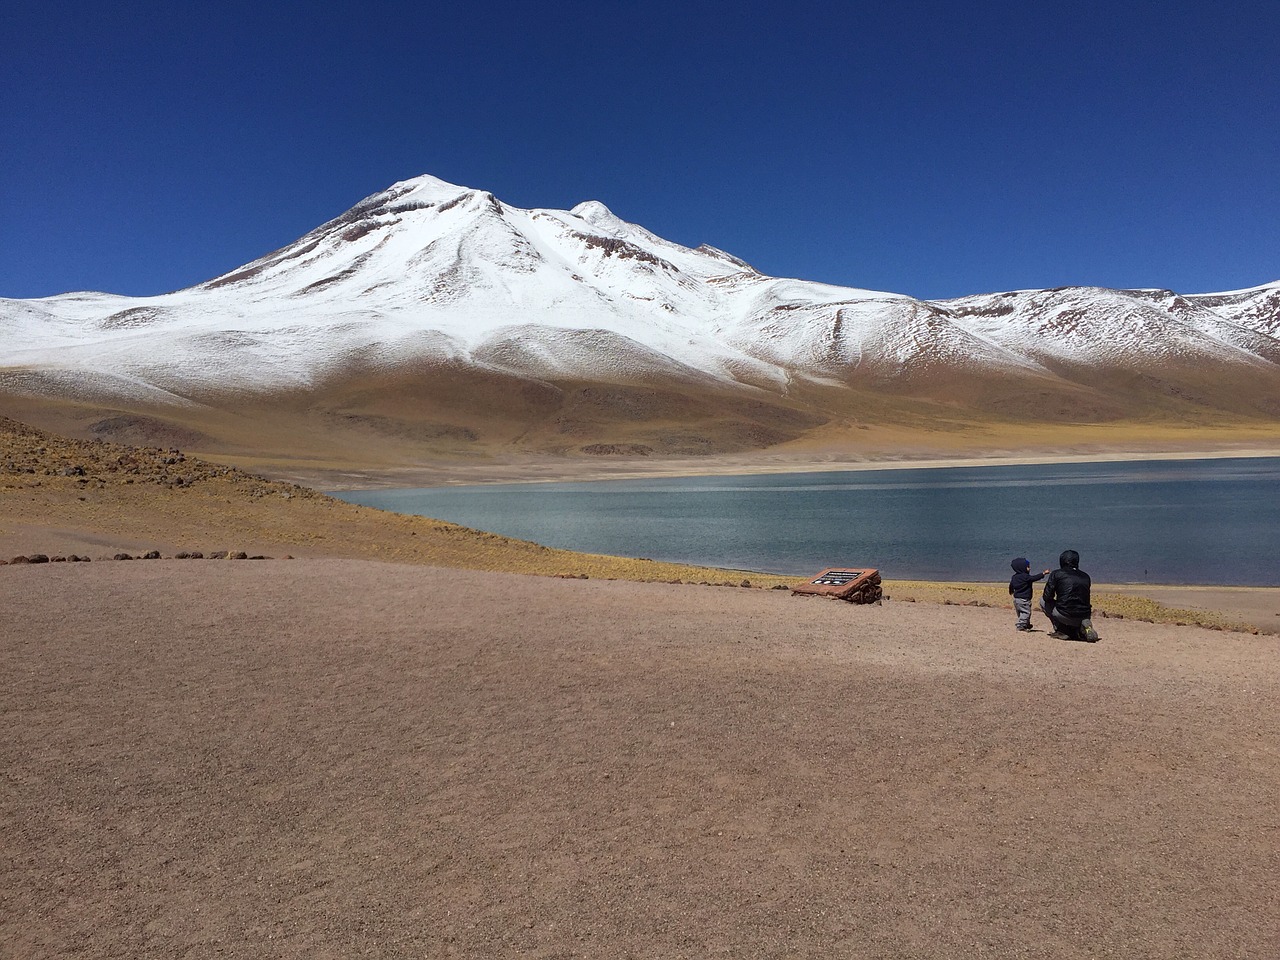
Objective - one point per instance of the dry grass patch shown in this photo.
(1106, 605)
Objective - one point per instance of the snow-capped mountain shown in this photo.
(429, 276)
(1130, 328)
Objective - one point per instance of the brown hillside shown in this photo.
(451, 425)
(61, 495)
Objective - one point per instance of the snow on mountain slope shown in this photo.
(1258, 308)
(430, 271)
(499, 284)
(1120, 328)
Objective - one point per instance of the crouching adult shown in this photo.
(1066, 600)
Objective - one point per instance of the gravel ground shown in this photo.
(339, 758)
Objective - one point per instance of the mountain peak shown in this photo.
(595, 213)
(426, 189)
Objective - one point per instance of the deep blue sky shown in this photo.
(929, 148)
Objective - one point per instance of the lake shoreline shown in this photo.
(944, 523)
(563, 470)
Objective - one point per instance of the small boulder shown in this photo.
(151, 555)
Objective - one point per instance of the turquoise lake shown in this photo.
(1184, 521)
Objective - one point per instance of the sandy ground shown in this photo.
(339, 758)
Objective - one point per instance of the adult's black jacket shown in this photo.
(1067, 590)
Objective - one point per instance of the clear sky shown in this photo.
(928, 148)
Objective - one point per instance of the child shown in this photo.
(1020, 586)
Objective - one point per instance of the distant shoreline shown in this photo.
(575, 471)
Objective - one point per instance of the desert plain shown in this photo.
(400, 738)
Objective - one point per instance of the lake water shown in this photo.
(1185, 521)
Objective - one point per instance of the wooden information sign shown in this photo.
(853, 584)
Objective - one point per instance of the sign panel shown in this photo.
(854, 584)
